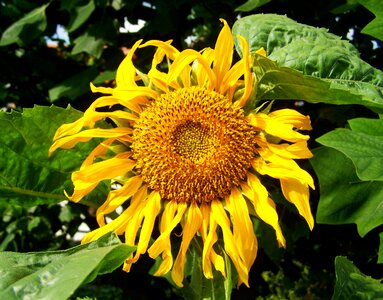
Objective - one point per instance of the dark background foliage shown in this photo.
(43, 68)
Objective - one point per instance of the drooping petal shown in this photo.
(117, 197)
(119, 225)
(273, 127)
(144, 217)
(243, 229)
(69, 142)
(297, 150)
(292, 117)
(87, 178)
(298, 193)
(219, 216)
(162, 243)
(263, 205)
(209, 236)
(150, 214)
(192, 224)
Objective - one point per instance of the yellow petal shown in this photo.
(183, 60)
(223, 53)
(243, 229)
(162, 243)
(86, 178)
(86, 135)
(274, 127)
(297, 150)
(219, 216)
(164, 48)
(117, 197)
(247, 73)
(192, 224)
(280, 167)
(298, 193)
(292, 117)
(201, 74)
(209, 256)
(263, 205)
(126, 72)
(261, 51)
(152, 209)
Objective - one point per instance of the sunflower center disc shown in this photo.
(192, 141)
(193, 145)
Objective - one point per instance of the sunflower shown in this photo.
(185, 152)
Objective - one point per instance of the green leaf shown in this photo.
(95, 38)
(363, 145)
(199, 287)
(334, 65)
(344, 198)
(26, 29)
(251, 5)
(74, 86)
(27, 176)
(57, 274)
(79, 15)
(375, 27)
(353, 284)
(283, 83)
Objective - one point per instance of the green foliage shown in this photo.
(363, 144)
(26, 29)
(201, 287)
(304, 62)
(57, 274)
(28, 177)
(344, 197)
(352, 284)
(375, 27)
(344, 78)
(251, 5)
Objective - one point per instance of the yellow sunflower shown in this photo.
(185, 152)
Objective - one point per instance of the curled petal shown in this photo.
(297, 193)
(192, 224)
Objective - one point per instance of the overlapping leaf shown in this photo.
(375, 27)
(57, 274)
(344, 198)
(353, 284)
(363, 144)
(27, 28)
(325, 63)
(27, 176)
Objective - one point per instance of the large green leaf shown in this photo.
(57, 274)
(363, 145)
(353, 284)
(344, 198)
(26, 29)
(27, 176)
(79, 15)
(251, 5)
(375, 27)
(95, 38)
(333, 64)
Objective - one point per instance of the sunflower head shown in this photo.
(185, 152)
